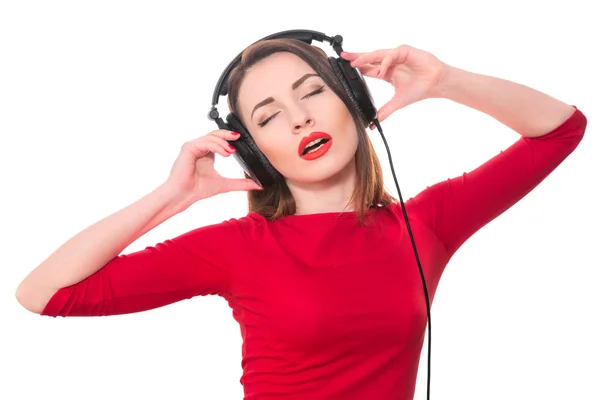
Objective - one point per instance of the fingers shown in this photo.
(346, 55)
(376, 56)
(225, 134)
(220, 146)
(395, 56)
(387, 62)
(353, 56)
(215, 142)
(241, 184)
(224, 148)
(219, 139)
(369, 70)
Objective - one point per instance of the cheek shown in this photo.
(344, 114)
(277, 150)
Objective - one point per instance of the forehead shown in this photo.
(271, 76)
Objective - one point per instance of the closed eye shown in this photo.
(319, 90)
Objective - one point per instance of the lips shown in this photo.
(310, 138)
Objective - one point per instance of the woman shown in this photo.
(320, 274)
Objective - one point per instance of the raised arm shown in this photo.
(196, 263)
(551, 130)
(87, 276)
(94, 247)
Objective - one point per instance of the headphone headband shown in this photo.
(307, 36)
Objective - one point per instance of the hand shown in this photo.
(414, 74)
(193, 173)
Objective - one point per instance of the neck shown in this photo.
(330, 195)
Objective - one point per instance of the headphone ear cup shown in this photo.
(356, 88)
(249, 156)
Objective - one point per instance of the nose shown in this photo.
(300, 119)
(299, 126)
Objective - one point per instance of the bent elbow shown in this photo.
(29, 301)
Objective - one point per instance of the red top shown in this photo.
(327, 309)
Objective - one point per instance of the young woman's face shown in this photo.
(286, 108)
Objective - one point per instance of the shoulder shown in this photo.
(237, 227)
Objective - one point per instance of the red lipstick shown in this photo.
(324, 145)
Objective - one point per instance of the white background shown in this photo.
(96, 99)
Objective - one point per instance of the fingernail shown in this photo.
(232, 148)
(235, 133)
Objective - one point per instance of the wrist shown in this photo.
(176, 200)
(449, 82)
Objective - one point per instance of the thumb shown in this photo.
(389, 108)
(241, 184)
(385, 111)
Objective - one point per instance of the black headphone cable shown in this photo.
(376, 122)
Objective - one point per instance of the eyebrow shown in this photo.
(269, 100)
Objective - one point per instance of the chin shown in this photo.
(320, 170)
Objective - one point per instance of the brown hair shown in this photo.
(276, 201)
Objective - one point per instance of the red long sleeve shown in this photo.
(327, 309)
(456, 208)
(197, 263)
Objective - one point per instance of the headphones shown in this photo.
(247, 154)
(256, 164)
